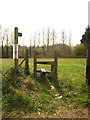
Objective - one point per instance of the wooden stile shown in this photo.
(52, 63)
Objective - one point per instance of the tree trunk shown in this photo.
(88, 65)
(7, 51)
(11, 51)
(2, 50)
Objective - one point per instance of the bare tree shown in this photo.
(39, 39)
(11, 37)
(63, 40)
(53, 37)
(69, 50)
(69, 39)
(23, 50)
(63, 37)
(48, 38)
(6, 36)
(30, 46)
(0, 35)
(43, 40)
(2, 44)
(34, 37)
(11, 43)
(1, 40)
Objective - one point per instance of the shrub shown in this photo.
(79, 50)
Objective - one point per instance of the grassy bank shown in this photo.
(28, 96)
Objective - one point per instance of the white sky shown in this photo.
(35, 15)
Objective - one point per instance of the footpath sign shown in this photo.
(15, 46)
(15, 51)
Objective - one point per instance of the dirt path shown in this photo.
(61, 112)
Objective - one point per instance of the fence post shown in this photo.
(52, 67)
(30, 51)
(35, 64)
(16, 47)
(55, 64)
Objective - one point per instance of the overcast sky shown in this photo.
(36, 15)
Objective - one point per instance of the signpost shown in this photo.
(20, 34)
(88, 60)
(15, 46)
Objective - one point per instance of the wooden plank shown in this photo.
(16, 44)
(45, 62)
(22, 61)
(52, 63)
(52, 68)
(55, 64)
(35, 64)
(39, 71)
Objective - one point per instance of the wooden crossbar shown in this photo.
(39, 71)
(22, 61)
(45, 62)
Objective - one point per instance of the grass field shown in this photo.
(68, 68)
(65, 65)
(32, 97)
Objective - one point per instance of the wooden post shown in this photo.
(30, 51)
(16, 47)
(52, 67)
(35, 64)
(22, 61)
(55, 64)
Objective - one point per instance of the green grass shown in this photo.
(27, 94)
(65, 65)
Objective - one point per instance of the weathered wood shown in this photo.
(55, 64)
(16, 42)
(30, 51)
(47, 72)
(52, 68)
(45, 62)
(52, 63)
(22, 61)
(16, 64)
(35, 64)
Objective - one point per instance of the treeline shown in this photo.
(44, 41)
(63, 50)
(6, 42)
